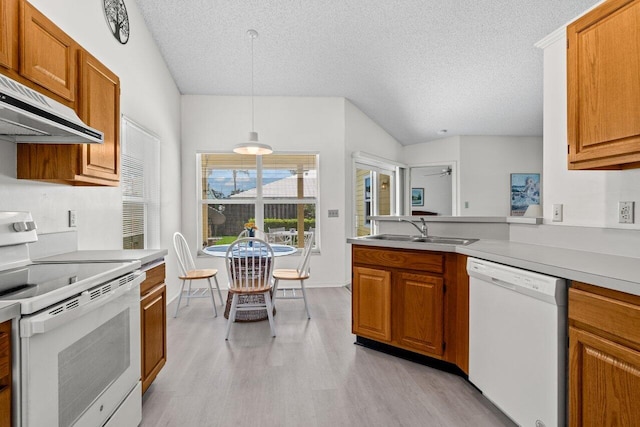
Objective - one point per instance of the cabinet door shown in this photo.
(604, 382)
(603, 64)
(418, 312)
(99, 107)
(9, 34)
(5, 373)
(48, 55)
(371, 301)
(153, 315)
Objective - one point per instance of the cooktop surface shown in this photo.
(55, 282)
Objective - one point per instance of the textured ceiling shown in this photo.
(413, 66)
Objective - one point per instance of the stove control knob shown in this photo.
(24, 226)
(20, 226)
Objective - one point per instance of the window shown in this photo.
(377, 191)
(278, 192)
(140, 183)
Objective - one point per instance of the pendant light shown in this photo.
(252, 146)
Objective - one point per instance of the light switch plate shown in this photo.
(73, 219)
(333, 213)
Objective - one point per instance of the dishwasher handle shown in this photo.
(503, 284)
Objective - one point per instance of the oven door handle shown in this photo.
(75, 308)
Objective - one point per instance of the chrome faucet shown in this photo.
(424, 231)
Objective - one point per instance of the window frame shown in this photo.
(259, 201)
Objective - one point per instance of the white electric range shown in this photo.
(77, 344)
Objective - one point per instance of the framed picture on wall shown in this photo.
(525, 191)
(417, 197)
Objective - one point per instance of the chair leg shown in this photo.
(267, 302)
(275, 290)
(213, 301)
(179, 299)
(232, 314)
(304, 296)
(219, 293)
(189, 293)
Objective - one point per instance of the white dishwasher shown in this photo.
(518, 341)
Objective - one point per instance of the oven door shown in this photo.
(81, 358)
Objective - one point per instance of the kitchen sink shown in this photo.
(419, 239)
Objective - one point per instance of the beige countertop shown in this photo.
(145, 256)
(608, 271)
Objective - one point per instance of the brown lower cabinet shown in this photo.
(412, 299)
(604, 357)
(153, 324)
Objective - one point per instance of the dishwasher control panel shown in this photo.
(540, 286)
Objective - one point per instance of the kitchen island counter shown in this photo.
(608, 271)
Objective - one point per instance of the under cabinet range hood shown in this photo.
(30, 117)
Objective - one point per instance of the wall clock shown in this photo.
(115, 13)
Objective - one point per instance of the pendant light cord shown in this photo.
(252, 106)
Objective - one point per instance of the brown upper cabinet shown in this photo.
(47, 54)
(9, 34)
(603, 89)
(38, 54)
(99, 107)
(82, 164)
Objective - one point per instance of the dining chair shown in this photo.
(300, 273)
(249, 264)
(279, 235)
(188, 272)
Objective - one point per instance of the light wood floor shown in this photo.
(311, 374)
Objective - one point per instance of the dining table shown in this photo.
(220, 251)
(278, 250)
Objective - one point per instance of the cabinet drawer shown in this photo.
(155, 276)
(602, 312)
(398, 258)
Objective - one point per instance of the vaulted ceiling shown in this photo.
(413, 66)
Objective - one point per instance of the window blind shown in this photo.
(140, 183)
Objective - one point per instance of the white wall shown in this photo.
(289, 125)
(149, 96)
(589, 198)
(484, 165)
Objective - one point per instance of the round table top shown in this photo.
(278, 250)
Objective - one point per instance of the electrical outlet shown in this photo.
(333, 213)
(72, 219)
(557, 213)
(625, 212)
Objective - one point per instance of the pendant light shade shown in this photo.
(252, 146)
